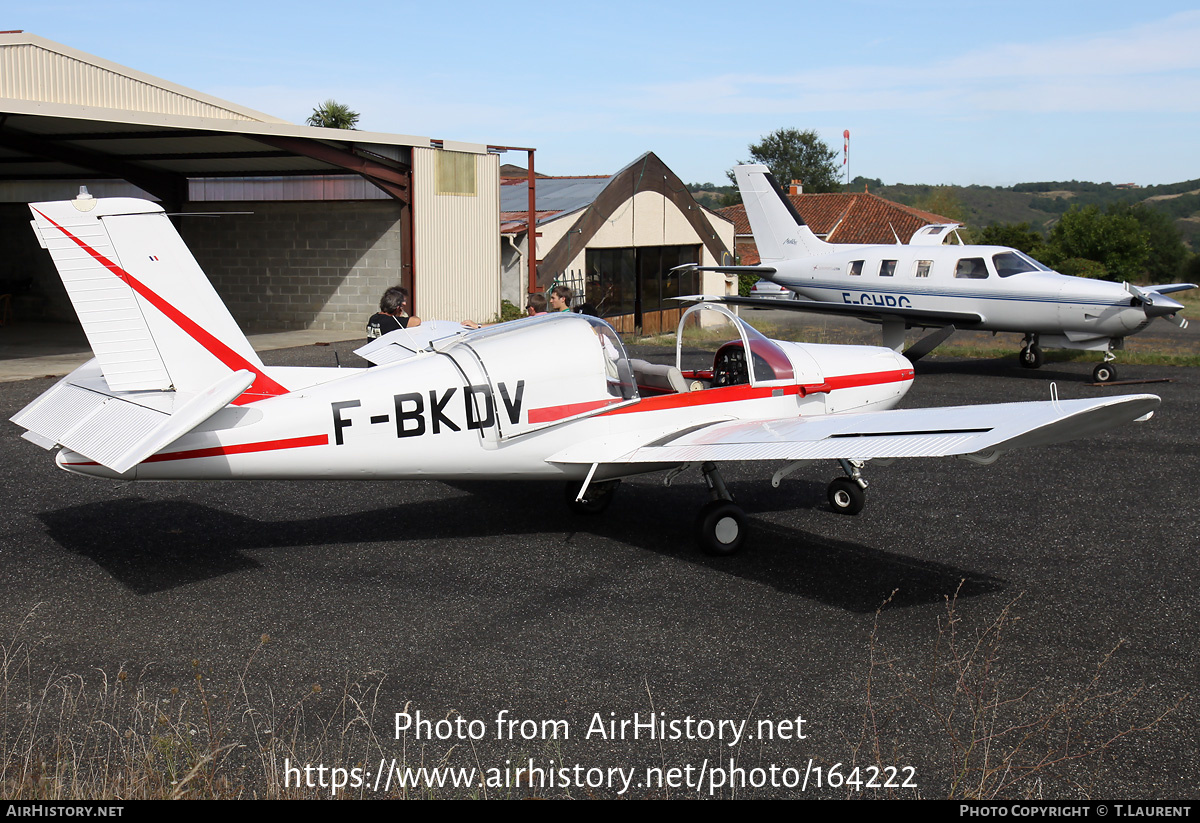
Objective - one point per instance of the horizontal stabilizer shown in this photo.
(114, 431)
(760, 271)
(977, 431)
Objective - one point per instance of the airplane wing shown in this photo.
(913, 317)
(978, 433)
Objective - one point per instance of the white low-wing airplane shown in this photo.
(175, 392)
(928, 284)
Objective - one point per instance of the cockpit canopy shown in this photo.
(767, 362)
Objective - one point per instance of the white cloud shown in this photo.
(1151, 67)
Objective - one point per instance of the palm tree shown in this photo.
(333, 115)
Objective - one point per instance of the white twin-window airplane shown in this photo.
(927, 284)
(175, 392)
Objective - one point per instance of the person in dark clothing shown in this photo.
(392, 314)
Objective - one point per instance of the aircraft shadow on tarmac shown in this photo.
(1006, 367)
(152, 546)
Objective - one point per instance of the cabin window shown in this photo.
(856, 267)
(971, 268)
(887, 268)
(922, 268)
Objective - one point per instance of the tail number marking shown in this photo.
(419, 413)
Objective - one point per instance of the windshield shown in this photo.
(1009, 263)
(767, 361)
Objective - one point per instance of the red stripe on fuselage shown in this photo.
(263, 385)
(241, 448)
(731, 394)
(551, 413)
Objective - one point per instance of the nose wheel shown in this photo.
(1031, 355)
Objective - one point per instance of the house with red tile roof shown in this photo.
(853, 218)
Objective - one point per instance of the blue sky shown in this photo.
(936, 92)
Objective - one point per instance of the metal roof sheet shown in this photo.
(555, 195)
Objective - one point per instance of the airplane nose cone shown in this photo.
(1159, 305)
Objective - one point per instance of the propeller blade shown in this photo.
(1153, 303)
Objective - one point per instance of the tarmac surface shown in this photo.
(1075, 619)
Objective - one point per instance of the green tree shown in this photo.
(1168, 254)
(1115, 241)
(942, 200)
(791, 154)
(333, 115)
(1019, 236)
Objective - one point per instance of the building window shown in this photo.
(456, 173)
(638, 280)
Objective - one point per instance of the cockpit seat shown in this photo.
(664, 379)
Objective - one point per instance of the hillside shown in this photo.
(1038, 204)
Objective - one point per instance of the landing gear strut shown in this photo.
(595, 500)
(1031, 355)
(847, 494)
(721, 523)
(1106, 372)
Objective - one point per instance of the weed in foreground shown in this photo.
(997, 737)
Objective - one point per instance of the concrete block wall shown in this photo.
(298, 265)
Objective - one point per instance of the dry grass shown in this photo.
(974, 725)
(68, 736)
(1003, 732)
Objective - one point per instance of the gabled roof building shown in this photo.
(840, 218)
(615, 239)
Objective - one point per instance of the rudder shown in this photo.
(779, 231)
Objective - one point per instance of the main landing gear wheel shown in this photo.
(1031, 357)
(598, 496)
(721, 527)
(1104, 373)
(846, 496)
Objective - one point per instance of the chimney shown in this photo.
(797, 187)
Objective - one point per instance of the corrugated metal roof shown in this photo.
(36, 69)
(555, 195)
(67, 115)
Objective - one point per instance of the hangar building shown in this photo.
(318, 222)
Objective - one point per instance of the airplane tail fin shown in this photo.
(779, 231)
(151, 316)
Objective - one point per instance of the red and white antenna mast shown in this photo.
(846, 154)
